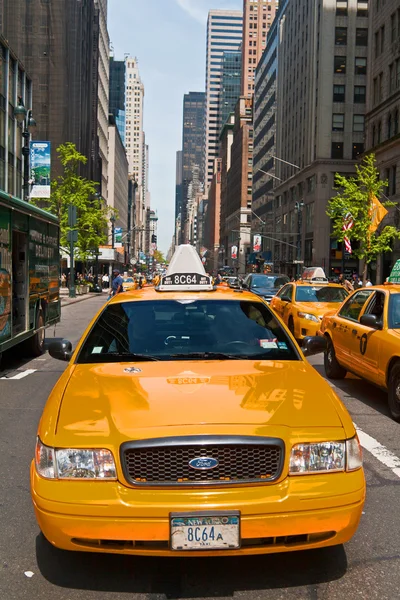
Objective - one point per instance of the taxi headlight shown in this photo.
(328, 457)
(74, 463)
(308, 316)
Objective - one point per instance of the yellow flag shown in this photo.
(377, 212)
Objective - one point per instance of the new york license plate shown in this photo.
(205, 532)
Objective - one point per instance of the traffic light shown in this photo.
(154, 239)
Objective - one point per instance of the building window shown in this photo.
(396, 123)
(341, 8)
(358, 123)
(359, 94)
(362, 8)
(382, 38)
(338, 122)
(357, 150)
(309, 216)
(361, 36)
(379, 133)
(338, 93)
(360, 65)
(339, 64)
(393, 28)
(337, 150)
(341, 36)
(389, 126)
(393, 173)
(310, 184)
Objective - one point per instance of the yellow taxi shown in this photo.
(188, 423)
(129, 283)
(363, 337)
(302, 304)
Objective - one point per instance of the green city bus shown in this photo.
(29, 275)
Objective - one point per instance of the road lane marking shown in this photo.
(379, 451)
(21, 375)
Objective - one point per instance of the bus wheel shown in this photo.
(35, 345)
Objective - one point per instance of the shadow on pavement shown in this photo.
(361, 390)
(189, 578)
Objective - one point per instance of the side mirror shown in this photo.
(244, 285)
(286, 298)
(371, 321)
(314, 344)
(61, 350)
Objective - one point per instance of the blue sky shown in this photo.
(169, 39)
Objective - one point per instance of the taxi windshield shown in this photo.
(128, 280)
(186, 329)
(320, 293)
(268, 281)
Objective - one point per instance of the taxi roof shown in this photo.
(151, 293)
(316, 284)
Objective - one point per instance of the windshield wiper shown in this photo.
(210, 355)
(130, 356)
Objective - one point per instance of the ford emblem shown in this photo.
(204, 463)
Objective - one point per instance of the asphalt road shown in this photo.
(368, 567)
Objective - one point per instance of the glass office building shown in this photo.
(231, 72)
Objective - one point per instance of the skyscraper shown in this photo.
(258, 16)
(58, 45)
(103, 91)
(117, 94)
(224, 32)
(230, 83)
(134, 144)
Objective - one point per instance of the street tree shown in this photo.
(356, 213)
(71, 188)
(158, 256)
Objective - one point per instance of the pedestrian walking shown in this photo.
(105, 281)
(116, 284)
(368, 283)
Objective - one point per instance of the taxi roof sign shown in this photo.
(185, 273)
(394, 276)
(315, 274)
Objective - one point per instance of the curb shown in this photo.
(74, 301)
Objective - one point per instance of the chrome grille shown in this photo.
(165, 461)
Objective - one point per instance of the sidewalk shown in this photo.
(66, 300)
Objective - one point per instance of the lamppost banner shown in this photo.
(39, 171)
(256, 242)
(118, 237)
(234, 252)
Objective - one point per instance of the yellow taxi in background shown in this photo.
(363, 337)
(129, 283)
(188, 423)
(302, 304)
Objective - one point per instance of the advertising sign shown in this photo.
(234, 252)
(256, 242)
(39, 162)
(118, 237)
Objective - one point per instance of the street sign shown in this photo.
(72, 236)
(395, 273)
(72, 215)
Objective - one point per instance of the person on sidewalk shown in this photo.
(105, 280)
(116, 284)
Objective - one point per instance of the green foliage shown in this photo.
(159, 256)
(354, 196)
(71, 188)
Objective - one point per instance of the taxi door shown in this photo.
(282, 299)
(345, 325)
(366, 342)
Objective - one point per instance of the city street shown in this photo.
(367, 567)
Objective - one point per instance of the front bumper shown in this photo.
(305, 327)
(297, 513)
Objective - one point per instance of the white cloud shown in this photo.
(198, 9)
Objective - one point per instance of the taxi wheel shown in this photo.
(394, 392)
(332, 368)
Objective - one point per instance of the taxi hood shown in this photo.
(318, 308)
(112, 403)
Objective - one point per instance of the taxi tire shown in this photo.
(333, 369)
(393, 397)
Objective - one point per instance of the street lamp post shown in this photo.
(112, 220)
(28, 123)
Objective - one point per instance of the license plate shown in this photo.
(205, 532)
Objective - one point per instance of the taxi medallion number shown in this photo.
(218, 532)
(186, 279)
